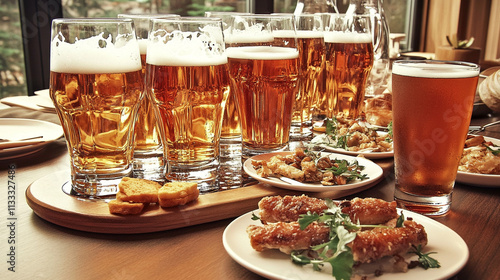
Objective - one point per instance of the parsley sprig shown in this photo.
(335, 251)
(494, 152)
(424, 259)
(348, 170)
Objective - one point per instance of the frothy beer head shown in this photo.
(204, 47)
(347, 37)
(263, 53)
(443, 71)
(94, 55)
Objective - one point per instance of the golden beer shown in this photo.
(191, 102)
(311, 59)
(147, 137)
(432, 107)
(349, 59)
(96, 86)
(98, 112)
(265, 83)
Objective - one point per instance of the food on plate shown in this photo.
(310, 167)
(480, 156)
(124, 207)
(134, 194)
(489, 91)
(345, 234)
(289, 208)
(178, 193)
(138, 190)
(353, 135)
(378, 109)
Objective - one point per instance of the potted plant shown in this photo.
(458, 50)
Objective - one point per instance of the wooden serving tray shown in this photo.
(47, 199)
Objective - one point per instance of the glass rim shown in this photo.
(469, 65)
(187, 19)
(145, 16)
(267, 16)
(92, 20)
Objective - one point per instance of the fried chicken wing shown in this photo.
(370, 211)
(286, 237)
(369, 245)
(374, 244)
(289, 208)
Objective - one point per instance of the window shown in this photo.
(12, 80)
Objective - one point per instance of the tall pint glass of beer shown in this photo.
(187, 79)
(432, 107)
(231, 130)
(149, 162)
(349, 59)
(263, 71)
(96, 86)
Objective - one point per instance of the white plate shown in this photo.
(370, 155)
(477, 179)
(12, 128)
(452, 253)
(373, 171)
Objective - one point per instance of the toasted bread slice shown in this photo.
(138, 190)
(124, 207)
(177, 193)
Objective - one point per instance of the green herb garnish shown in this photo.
(389, 133)
(345, 169)
(335, 251)
(255, 217)
(400, 221)
(494, 152)
(424, 259)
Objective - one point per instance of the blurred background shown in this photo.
(425, 24)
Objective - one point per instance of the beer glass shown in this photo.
(432, 108)
(263, 69)
(187, 80)
(231, 130)
(149, 162)
(96, 86)
(349, 59)
(311, 48)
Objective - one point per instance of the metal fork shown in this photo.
(477, 128)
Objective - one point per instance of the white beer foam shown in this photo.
(143, 45)
(298, 34)
(309, 34)
(347, 37)
(424, 70)
(186, 49)
(262, 53)
(249, 37)
(86, 57)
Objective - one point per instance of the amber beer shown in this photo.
(147, 138)
(432, 107)
(311, 47)
(191, 99)
(97, 107)
(265, 83)
(349, 59)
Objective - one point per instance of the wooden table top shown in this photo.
(47, 251)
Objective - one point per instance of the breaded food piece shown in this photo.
(370, 245)
(286, 237)
(125, 208)
(288, 208)
(369, 211)
(138, 190)
(177, 193)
